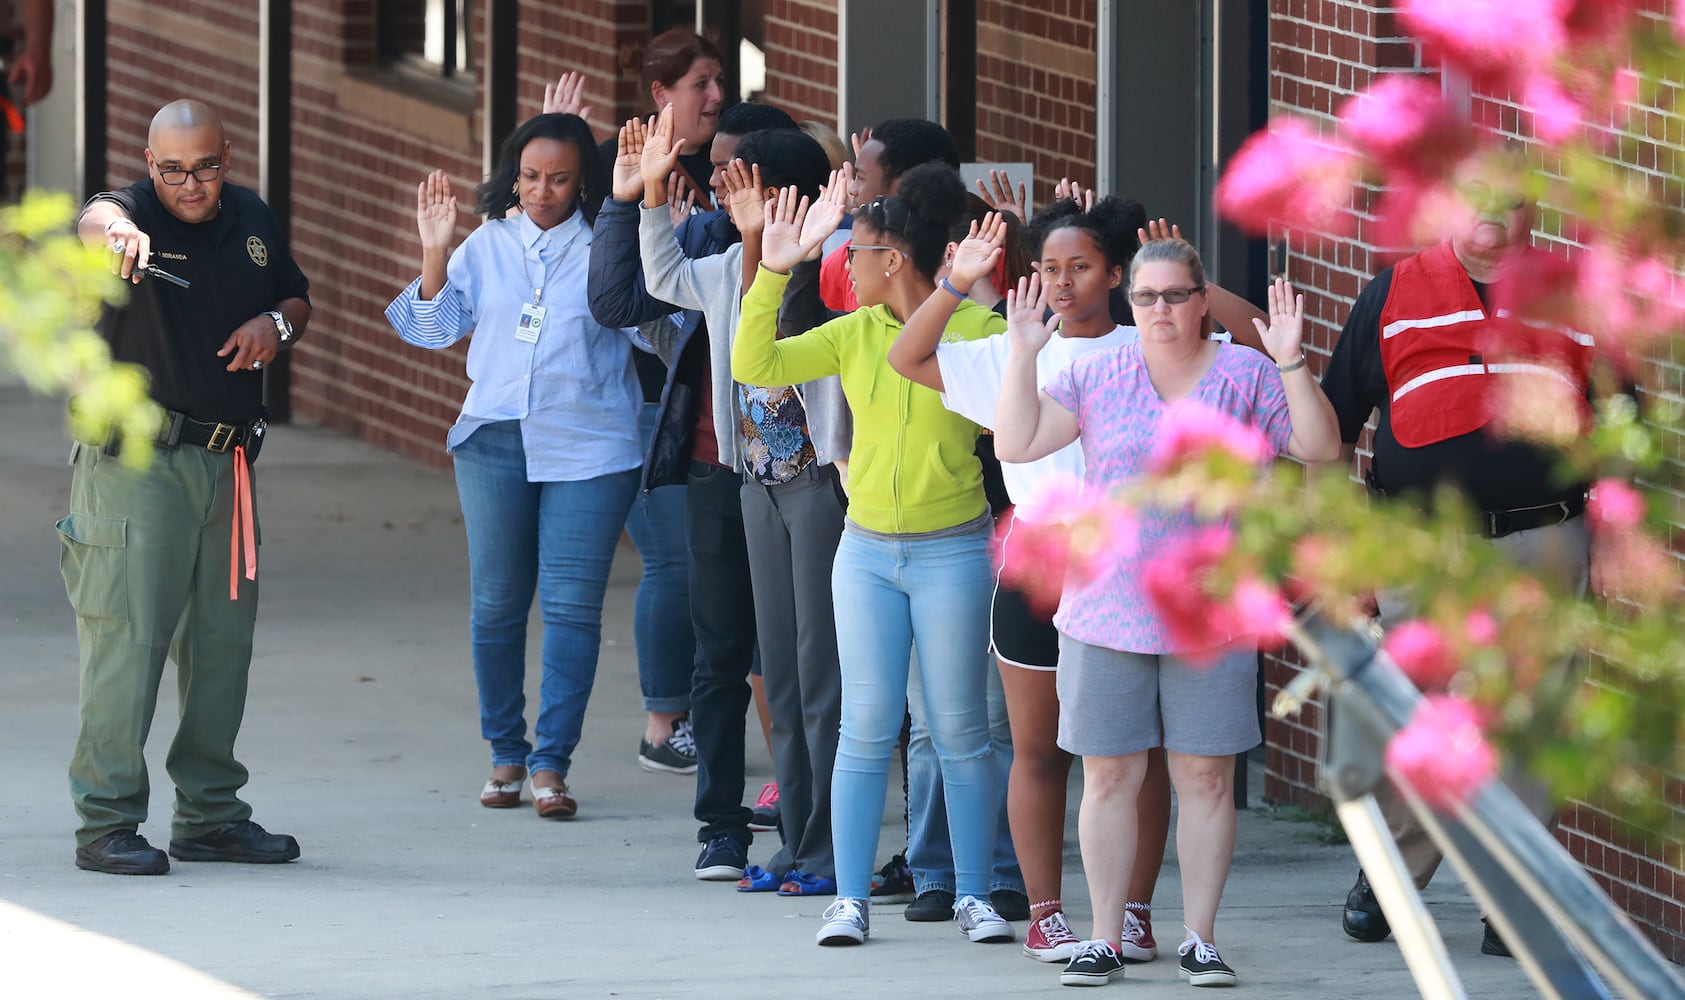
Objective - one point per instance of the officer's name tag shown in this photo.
(532, 321)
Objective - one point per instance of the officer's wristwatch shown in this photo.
(283, 326)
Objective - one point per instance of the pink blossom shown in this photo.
(1556, 115)
(1614, 504)
(1288, 174)
(1420, 650)
(1260, 612)
(1480, 628)
(1625, 89)
(1595, 22)
(1176, 582)
(1442, 753)
(1633, 566)
(1492, 39)
(1069, 535)
(1404, 123)
(1189, 430)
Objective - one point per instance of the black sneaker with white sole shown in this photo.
(675, 755)
(1201, 965)
(1095, 963)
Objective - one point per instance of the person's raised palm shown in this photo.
(567, 96)
(826, 214)
(781, 233)
(1158, 229)
(435, 211)
(743, 196)
(627, 180)
(977, 254)
(1027, 328)
(1283, 338)
(660, 153)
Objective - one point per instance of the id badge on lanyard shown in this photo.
(532, 322)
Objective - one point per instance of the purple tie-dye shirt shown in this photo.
(1118, 413)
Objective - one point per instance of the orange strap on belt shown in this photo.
(245, 528)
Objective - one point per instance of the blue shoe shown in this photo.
(800, 883)
(757, 879)
(722, 860)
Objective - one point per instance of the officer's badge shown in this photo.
(257, 251)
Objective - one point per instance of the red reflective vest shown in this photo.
(1442, 351)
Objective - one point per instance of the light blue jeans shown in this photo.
(930, 853)
(661, 614)
(557, 539)
(893, 595)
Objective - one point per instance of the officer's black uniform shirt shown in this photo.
(1494, 472)
(239, 267)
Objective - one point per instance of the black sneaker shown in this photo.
(1201, 965)
(243, 842)
(931, 906)
(893, 883)
(1010, 904)
(722, 860)
(675, 755)
(1491, 943)
(122, 852)
(1095, 963)
(764, 817)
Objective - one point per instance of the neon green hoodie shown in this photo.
(913, 467)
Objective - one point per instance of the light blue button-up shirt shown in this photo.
(575, 391)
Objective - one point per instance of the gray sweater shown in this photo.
(712, 285)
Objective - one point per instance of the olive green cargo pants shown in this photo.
(145, 557)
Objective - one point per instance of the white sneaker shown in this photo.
(846, 922)
(979, 921)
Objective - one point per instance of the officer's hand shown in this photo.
(253, 344)
(131, 250)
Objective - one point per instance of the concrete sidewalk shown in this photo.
(362, 738)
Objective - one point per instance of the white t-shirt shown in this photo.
(972, 372)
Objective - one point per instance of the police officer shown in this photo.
(164, 561)
(1425, 347)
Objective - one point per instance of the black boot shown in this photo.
(1363, 919)
(1491, 943)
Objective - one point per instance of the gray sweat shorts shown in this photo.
(1111, 702)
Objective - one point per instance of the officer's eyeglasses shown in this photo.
(177, 176)
(1146, 298)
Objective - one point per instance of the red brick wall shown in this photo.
(1320, 52)
(1036, 93)
(801, 60)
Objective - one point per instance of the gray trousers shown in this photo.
(1559, 554)
(792, 531)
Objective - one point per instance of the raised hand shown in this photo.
(743, 199)
(1026, 306)
(826, 214)
(1068, 189)
(998, 193)
(1283, 337)
(978, 253)
(781, 233)
(1158, 229)
(681, 197)
(627, 180)
(435, 211)
(859, 140)
(659, 158)
(567, 96)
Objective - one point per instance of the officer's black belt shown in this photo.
(1498, 523)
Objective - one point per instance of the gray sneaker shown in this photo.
(979, 921)
(674, 755)
(847, 921)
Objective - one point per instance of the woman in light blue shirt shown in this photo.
(546, 449)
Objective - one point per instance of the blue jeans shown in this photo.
(929, 850)
(892, 596)
(555, 538)
(661, 616)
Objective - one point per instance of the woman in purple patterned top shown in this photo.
(1124, 687)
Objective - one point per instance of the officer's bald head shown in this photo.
(186, 140)
(185, 115)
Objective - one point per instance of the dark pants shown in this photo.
(793, 532)
(722, 611)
